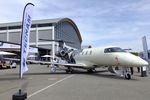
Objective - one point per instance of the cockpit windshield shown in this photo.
(113, 49)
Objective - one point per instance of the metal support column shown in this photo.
(53, 43)
(37, 36)
(7, 32)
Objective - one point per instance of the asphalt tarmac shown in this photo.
(40, 84)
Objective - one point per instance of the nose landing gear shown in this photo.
(128, 76)
(127, 73)
(121, 71)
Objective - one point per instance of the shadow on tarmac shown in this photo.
(14, 78)
(98, 73)
(111, 76)
(64, 73)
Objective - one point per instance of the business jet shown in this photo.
(116, 59)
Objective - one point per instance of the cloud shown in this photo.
(12, 10)
(104, 21)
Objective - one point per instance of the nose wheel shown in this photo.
(128, 76)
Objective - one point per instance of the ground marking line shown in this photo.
(49, 86)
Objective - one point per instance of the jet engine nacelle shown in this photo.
(60, 53)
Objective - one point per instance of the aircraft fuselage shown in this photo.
(96, 57)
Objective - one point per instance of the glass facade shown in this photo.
(3, 36)
(14, 37)
(66, 31)
(63, 29)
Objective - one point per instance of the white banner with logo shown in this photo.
(26, 25)
(145, 48)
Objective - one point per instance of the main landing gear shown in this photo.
(127, 73)
(128, 76)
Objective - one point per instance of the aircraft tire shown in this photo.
(90, 71)
(67, 71)
(128, 76)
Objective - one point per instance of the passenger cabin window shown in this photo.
(90, 52)
(82, 53)
(86, 53)
(113, 49)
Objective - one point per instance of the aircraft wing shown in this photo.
(48, 63)
(17, 60)
(10, 59)
(62, 64)
(14, 47)
(58, 64)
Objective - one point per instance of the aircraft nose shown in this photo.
(137, 61)
(132, 60)
(142, 62)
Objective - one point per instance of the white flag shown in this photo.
(26, 25)
(145, 48)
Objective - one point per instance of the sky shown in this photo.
(101, 23)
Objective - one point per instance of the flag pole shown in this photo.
(24, 47)
(144, 69)
(25, 34)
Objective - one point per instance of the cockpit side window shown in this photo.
(107, 50)
(113, 49)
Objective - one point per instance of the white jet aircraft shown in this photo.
(116, 59)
